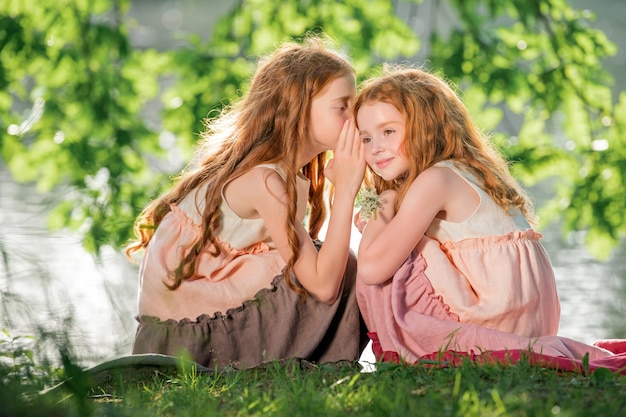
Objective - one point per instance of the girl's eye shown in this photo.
(366, 139)
(388, 132)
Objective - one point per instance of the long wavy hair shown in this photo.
(269, 124)
(439, 127)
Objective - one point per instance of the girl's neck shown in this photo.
(310, 151)
(303, 160)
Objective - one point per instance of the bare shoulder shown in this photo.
(436, 177)
(449, 191)
(441, 192)
(257, 187)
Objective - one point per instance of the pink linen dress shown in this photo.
(483, 284)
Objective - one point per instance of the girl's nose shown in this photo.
(375, 146)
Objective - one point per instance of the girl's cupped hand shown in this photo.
(347, 168)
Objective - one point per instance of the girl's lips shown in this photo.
(383, 163)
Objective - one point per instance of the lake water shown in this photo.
(49, 283)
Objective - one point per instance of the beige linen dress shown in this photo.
(237, 309)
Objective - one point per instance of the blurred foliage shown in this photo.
(82, 108)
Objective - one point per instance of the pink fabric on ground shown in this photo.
(616, 363)
(412, 321)
(613, 345)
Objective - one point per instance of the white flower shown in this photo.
(368, 201)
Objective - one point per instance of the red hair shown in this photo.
(439, 127)
(267, 125)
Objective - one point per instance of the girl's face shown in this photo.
(330, 108)
(382, 130)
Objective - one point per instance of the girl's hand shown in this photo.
(359, 222)
(385, 213)
(388, 200)
(347, 168)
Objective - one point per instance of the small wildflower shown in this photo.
(368, 201)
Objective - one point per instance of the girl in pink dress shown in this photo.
(450, 261)
(232, 273)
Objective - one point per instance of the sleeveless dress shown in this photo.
(483, 284)
(237, 309)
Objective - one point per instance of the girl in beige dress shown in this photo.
(232, 271)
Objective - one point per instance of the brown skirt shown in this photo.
(274, 325)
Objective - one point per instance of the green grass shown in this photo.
(298, 388)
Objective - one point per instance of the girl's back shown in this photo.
(247, 263)
(491, 269)
(486, 218)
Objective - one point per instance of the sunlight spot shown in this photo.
(176, 157)
(600, 145)
(607, 173)
(86, 225)
(521, 45)
(176, 102)
(606, 121)
(59, 137)
(50, 41)
(583, 172)
(511, 141)
(555, 410)
(98, 181)
(13, 130)
(570, 145)
(34, 116)
(100, 184)
(167, 139)
(467, 67)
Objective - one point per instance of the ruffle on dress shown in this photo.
(274, 324)
(219, 284)
(410, 321)
(501, 282)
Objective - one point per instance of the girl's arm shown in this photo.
(390, 238)
(320, 273)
